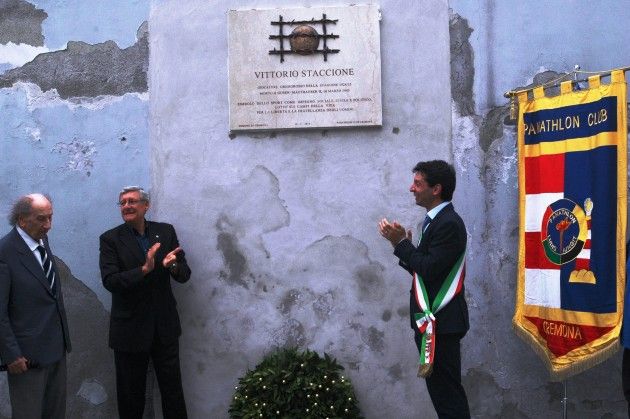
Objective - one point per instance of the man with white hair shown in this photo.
(138, 259)
(34, 334)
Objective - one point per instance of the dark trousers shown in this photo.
(625, 376)
(445, 382)
(131, 373)
(39, 393)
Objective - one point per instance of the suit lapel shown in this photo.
(154, 233)
(27, 258)
(127, 239)
(435, 221)
(155, 236)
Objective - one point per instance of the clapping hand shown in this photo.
(171, 257)
(393, 232)
(149, 263)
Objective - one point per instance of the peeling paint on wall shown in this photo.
(80, 155)
(36, 99)
(462, 65)
(492, 126)
(21, 23)
(85, 70)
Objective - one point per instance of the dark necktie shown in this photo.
(425, 224)
(48, 268)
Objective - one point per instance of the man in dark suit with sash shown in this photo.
(137, 260)
(34, 334)
(439, 314)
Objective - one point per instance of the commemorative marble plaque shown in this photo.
(317, 67)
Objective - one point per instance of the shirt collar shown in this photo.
(434, 212)
(30, 242)
(135, 233)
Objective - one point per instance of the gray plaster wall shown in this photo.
(280, 228)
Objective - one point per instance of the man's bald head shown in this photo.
(33, 214)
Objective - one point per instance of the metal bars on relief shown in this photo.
(304, 39)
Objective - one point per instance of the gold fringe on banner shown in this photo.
(562, 373)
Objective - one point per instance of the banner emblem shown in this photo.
(564, 231)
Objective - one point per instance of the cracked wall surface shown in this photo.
(503, 376)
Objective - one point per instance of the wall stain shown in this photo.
(485, 397)
(91, 357)
(555, 391)
(511, 410)
(387, 315)
(395, 372)
(290, 298)
(374, 339)
(290, 334)
(370, 281)
(234, 260)
(323, 305)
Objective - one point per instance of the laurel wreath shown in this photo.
(289, 383)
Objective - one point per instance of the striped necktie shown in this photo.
(48, 268)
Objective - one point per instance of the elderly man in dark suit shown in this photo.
(439, 314)
(137, 260)
(34, 335)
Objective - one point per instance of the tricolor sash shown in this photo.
(425, 321)
(572, 210)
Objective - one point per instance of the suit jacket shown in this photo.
(441, 245)
(33, 321)
(141, 305)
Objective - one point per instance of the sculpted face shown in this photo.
(133, 208)
(39, 221)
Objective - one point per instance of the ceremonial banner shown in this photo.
(572, 203)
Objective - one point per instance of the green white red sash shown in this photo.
(425, 321)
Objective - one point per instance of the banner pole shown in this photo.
(564, 400)
(512, 93)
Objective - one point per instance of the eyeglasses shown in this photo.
(132, 202)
